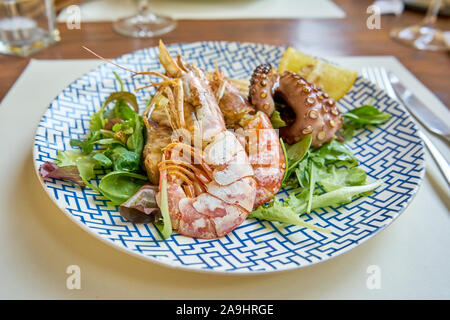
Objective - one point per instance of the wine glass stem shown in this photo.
(432, 13)
(143, 7)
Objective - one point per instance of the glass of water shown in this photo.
(27, 26)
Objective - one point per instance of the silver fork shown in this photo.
(379, 76)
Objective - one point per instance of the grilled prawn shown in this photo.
(254, 129)
(210, 182)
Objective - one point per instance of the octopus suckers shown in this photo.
(310, 100)
(313, 114)
(321, 135)
(307, 130)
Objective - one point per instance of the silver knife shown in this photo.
(423, 114)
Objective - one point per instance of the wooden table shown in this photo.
(339, 37)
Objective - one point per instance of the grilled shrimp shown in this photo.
(210, 181)
(254, 130)
(158, 136)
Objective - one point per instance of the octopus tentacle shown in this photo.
(315, 112)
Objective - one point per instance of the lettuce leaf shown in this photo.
(68, 173)
(289, 210)
(164, 226)
(119, 186)
(84, 163)
(142, 206)
(284, 211)
(276, 120)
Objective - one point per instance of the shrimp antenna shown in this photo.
(107, 60)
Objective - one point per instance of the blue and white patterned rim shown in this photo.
(392, 152)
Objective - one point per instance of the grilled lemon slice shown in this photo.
(334, 80)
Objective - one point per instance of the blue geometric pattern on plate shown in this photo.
(392, 152)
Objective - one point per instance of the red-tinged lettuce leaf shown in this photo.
(111, 122)
(69, 173)
(142, 206)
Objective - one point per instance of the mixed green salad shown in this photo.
(109, 160)
(321, 177)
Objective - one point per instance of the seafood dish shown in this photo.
(211, 151)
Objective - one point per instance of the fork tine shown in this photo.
(379, 78)
(387, 84)
(363, 72)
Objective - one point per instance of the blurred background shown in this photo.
(57, 29)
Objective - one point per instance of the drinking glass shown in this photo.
(26, 26)
(145, 24)
(424, 35)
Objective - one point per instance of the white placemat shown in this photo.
(110, 10)
(38, 242)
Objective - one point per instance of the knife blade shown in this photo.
(423, 114)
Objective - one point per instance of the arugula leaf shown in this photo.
(276, 120)
(119, 186)
(367, 114)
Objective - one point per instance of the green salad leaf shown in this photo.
(284, 211)
(84, 163)
(128, 97)
(290, 210)
(361, 116)
(332, 152)
(87, 145)
(119, 186)
(367, 114)
(164, 226)
(276, 120)
(295, 153)
(335, 178)
(123, 159)
(120, 146)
